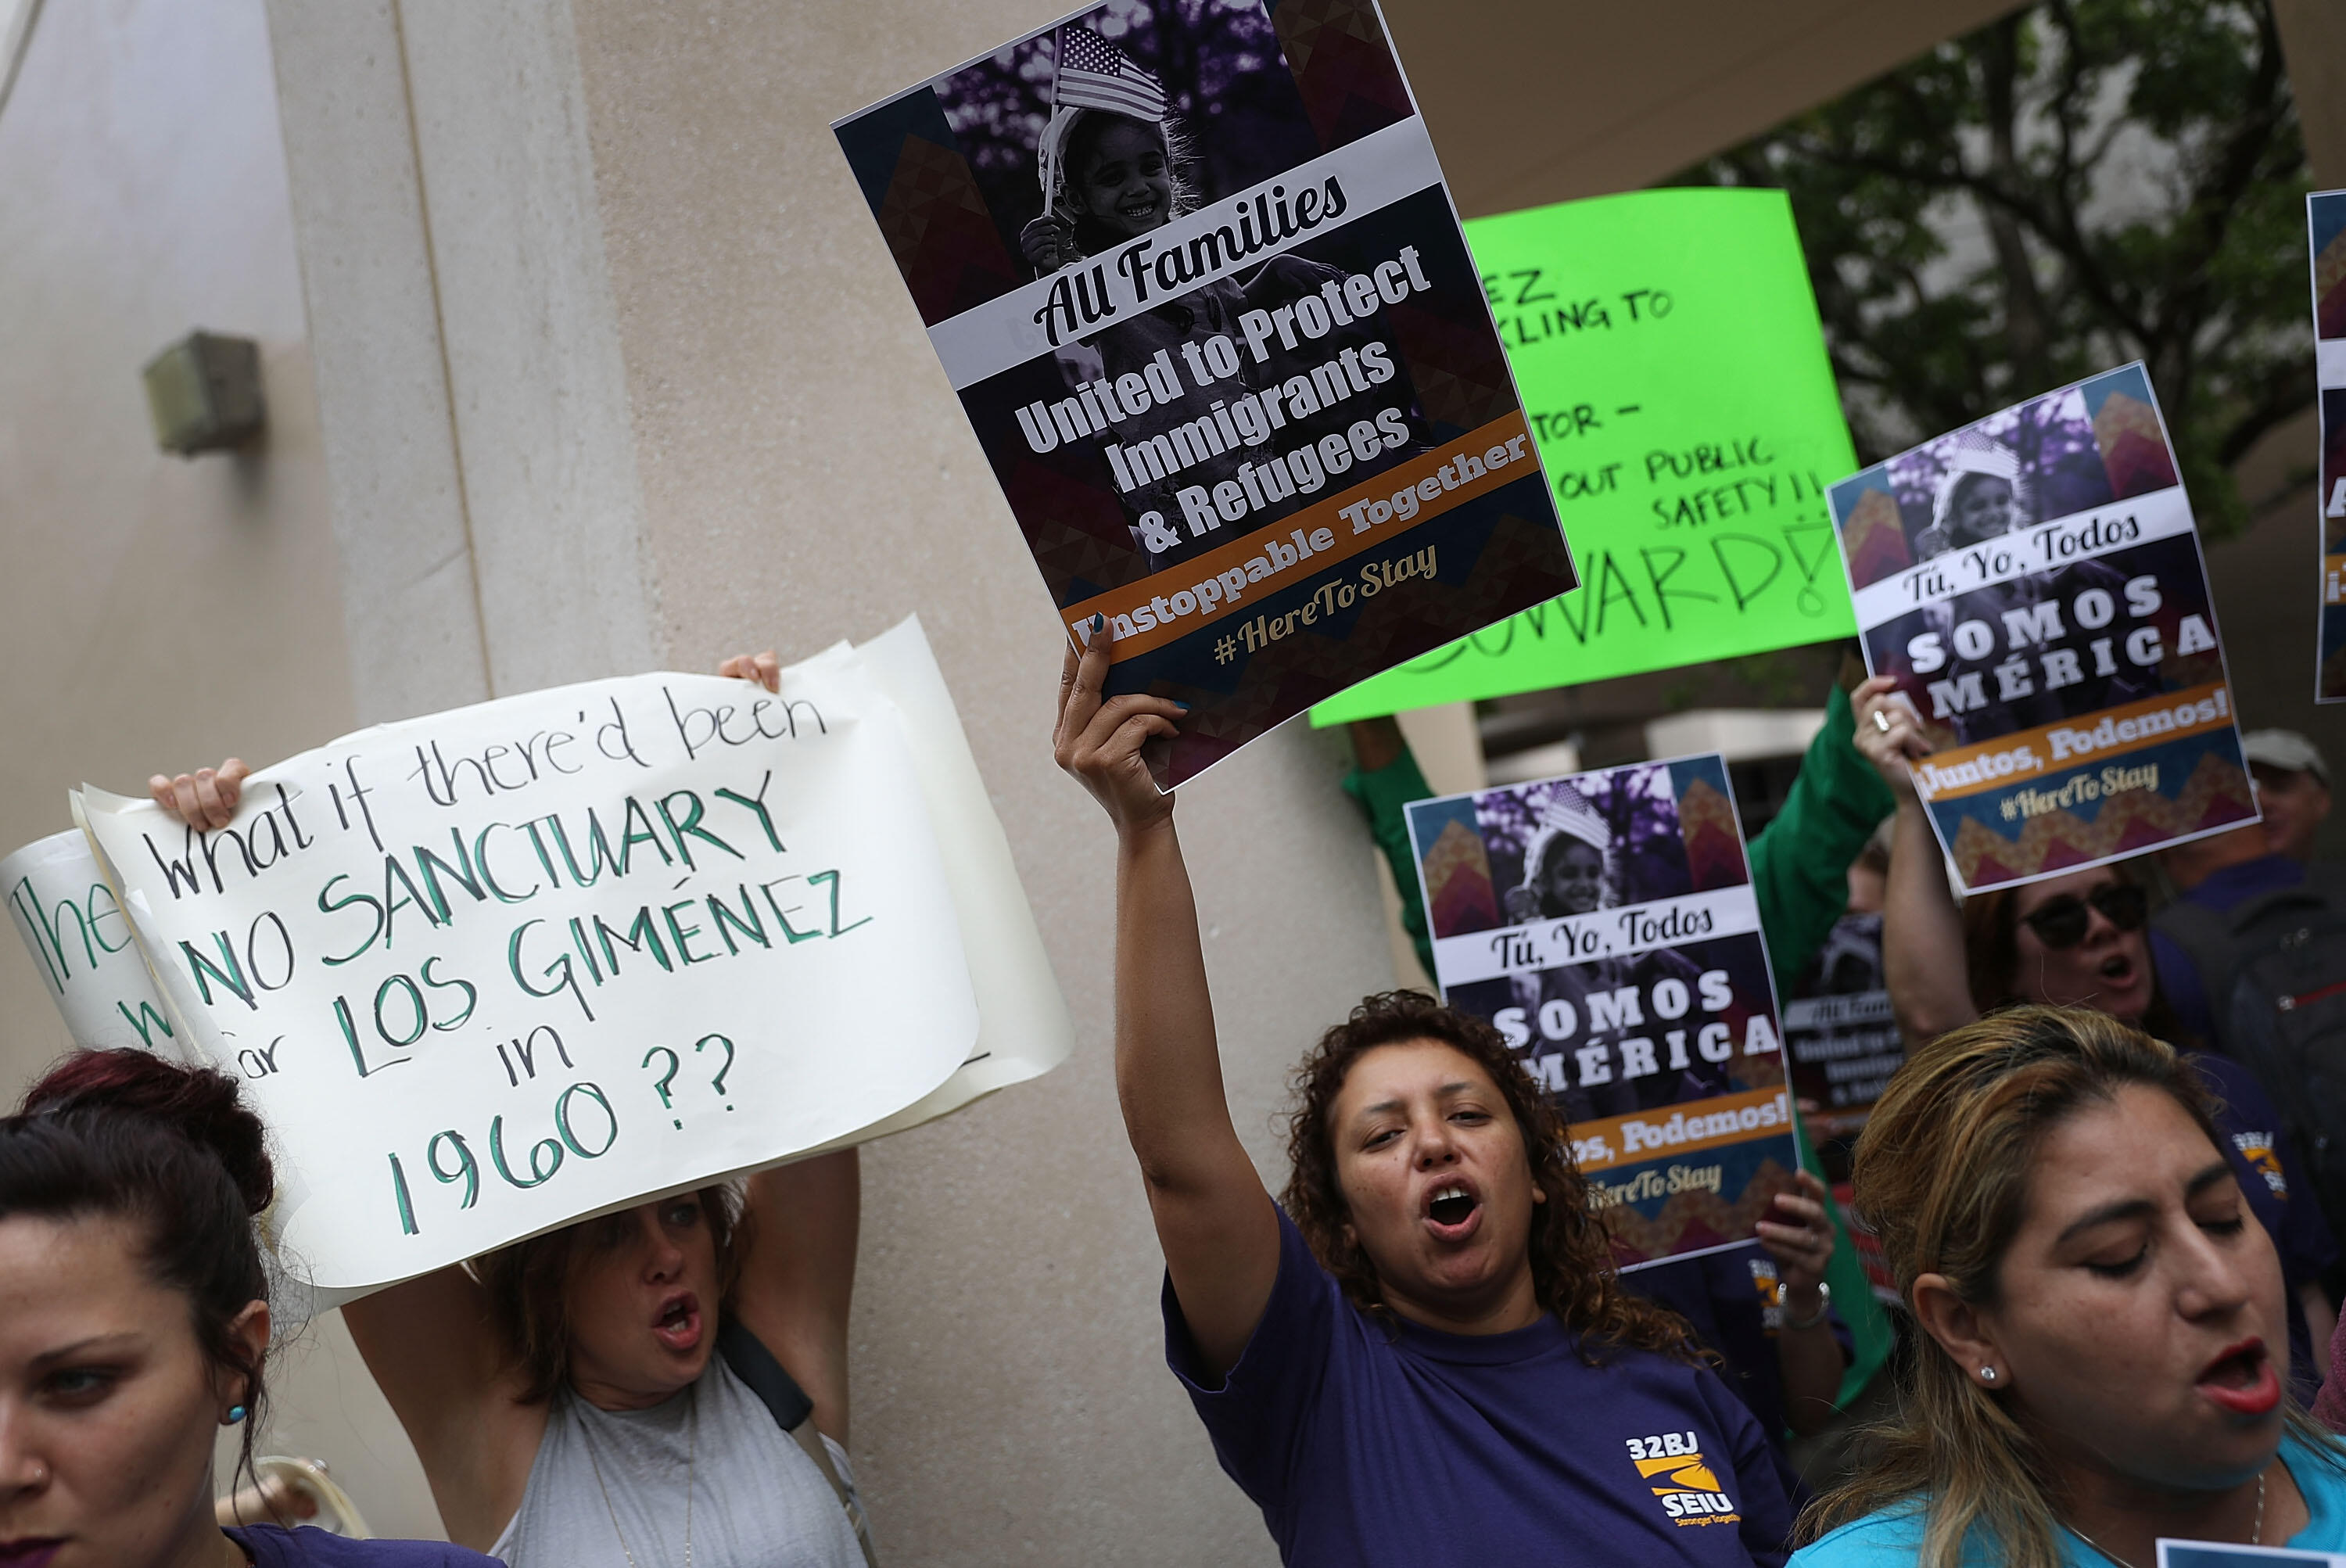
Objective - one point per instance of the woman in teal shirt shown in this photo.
(2103, 1357)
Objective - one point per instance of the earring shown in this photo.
(1987, 1374)
(236, 1413)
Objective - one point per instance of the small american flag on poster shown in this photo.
(1093, 74)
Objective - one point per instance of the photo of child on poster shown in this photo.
(1115, 162)
(2034, 583)
(1604, 923)
(1205, 304)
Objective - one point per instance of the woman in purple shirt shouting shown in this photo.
(1423, 1357)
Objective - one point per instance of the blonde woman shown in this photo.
(2103, 1360)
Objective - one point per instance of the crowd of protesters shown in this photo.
(2100, 1203)
(2114, 1276)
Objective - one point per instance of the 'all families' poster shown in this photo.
(1606, 923)
(2325, 213)
(1198, 281)
(2034, 581)
(1672, 361)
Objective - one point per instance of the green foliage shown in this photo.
(2134, 173)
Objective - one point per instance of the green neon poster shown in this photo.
(1672, 365)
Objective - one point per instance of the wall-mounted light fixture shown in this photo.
(204, 392)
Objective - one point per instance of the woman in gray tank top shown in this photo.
(565, 1393)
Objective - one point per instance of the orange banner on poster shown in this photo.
(2098, 736)
(1144, 616)
(1685, 1129)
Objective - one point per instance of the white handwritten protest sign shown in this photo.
(81, 945)
(491, 970)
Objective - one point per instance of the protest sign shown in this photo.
(2175, 1553)
(2034, 583)
(1197, 282)
(491, 971)
(82, 947)
(1840, 1032)
(2325, 218)
(1605, 922)
(1675, 373)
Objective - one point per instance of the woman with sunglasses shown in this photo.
(2077, 941)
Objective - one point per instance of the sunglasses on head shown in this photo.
(2061, 922)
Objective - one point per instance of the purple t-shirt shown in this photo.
(1365, 1445)
(271, 1547)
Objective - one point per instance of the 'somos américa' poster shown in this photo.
(1606, 923)
(2034, 583)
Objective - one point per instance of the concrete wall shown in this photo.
(142, 194)
(156, 611)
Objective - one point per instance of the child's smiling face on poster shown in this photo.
(1983, 509)
(1126, 184)
(1576, 877)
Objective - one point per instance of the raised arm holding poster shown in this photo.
(1605, 922)
(1676, 376)
(2034, 583)
(1198, 283)
(489, 971)
(2325, 218)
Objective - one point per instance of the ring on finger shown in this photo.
(1881, 721)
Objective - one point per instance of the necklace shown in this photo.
(691, 1458)
(2256, 1534)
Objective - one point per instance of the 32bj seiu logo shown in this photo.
(1690, 1495)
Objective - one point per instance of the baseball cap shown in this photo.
(2286, 749)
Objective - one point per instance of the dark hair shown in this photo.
(1991, 959)
(1084, 131)
(528, 1284)
(126, 1135)
(1571, 1254)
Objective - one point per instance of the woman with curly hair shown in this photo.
(1423, 1356)
(2102, 1359)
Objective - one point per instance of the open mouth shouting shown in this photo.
(678, 1326)
(2242, 1380)
(1454, 1210)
